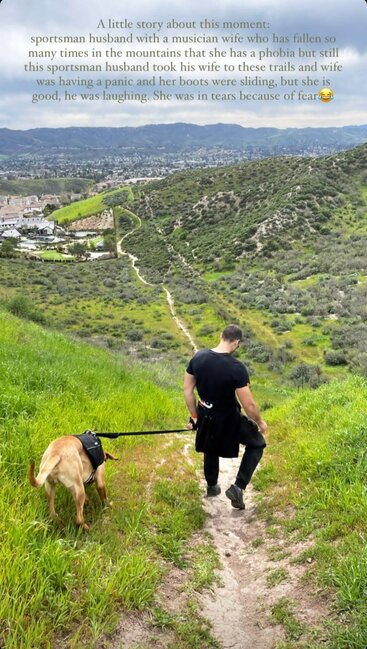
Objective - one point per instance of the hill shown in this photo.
(315, 480)
(279, 243)
(181, 137)
(44, 186)
(66, 589)
(58, 587)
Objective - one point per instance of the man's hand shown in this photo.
(192, 424)
(248, 404)
(263, 426)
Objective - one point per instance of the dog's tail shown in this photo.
(38, 481)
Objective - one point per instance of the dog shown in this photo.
(67, 461)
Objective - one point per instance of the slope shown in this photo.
(60, 588)
(281, 241)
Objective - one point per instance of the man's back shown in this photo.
(217, 375)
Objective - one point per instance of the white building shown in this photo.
(11, 234)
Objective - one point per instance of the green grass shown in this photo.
(101, 301)
(317, 462)
(64, 582)
(191, 629)
(283, 613)
(53, 255)
(276, 577)
(84, 208)
(204, 563)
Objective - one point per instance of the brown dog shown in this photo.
(65, 461)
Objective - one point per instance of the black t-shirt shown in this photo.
(217, 377)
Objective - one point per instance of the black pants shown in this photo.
(254, 443)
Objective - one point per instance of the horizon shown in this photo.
(176, 123)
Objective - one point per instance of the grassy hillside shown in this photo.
(65, 588)
(102, 302)
(316, 472)
(45, 186)
(281, 241)
(278, 245)
(86, 207)
(61, 587)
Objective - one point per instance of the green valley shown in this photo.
(276, 245)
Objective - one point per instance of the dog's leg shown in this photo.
(79, 496)
(99, 479)
(50, 493)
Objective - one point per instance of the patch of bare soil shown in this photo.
(136, 632)
(240, 609)
(103, 221)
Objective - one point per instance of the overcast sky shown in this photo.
(21, 19)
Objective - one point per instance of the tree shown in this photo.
(109, 243)
(310, 375)
(78, 249)
(301, 374)
(8, 247)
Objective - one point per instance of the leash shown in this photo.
(140, 432)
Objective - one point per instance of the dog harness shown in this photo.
(93, 448)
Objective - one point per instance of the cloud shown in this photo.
(22, 19)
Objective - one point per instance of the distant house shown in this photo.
(32, 211)
(11, 234)
(45, 230)
(6, 223)
(51, 199)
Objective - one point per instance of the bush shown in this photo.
(309, 375)
(134, 335)
(109, 283)
(334, 358)
(23, 307)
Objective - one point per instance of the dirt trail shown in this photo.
(178, 322)
(234, 608)
(169, 298)
(240, 608)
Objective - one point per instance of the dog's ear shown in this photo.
(108, 456)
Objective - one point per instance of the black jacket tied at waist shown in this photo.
(218, 430)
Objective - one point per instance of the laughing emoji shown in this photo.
(326, 94)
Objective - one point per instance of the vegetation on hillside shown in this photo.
(282, 238)
(100, 301)
(87, 207)
(61, 587)
(316, 471)
(277, 246)
(38, 186)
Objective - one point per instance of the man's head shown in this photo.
(232, 336)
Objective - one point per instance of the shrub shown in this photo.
(23, 307)
(134, 335)
(334, 358)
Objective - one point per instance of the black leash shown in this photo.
(141, 432)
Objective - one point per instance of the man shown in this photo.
(222, 384)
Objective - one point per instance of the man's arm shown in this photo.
(189, 394)
(248, 404)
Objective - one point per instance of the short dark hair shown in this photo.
(232, 333)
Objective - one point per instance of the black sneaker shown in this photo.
(235, 495)
(213, 490)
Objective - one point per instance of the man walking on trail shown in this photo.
(222, 384)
